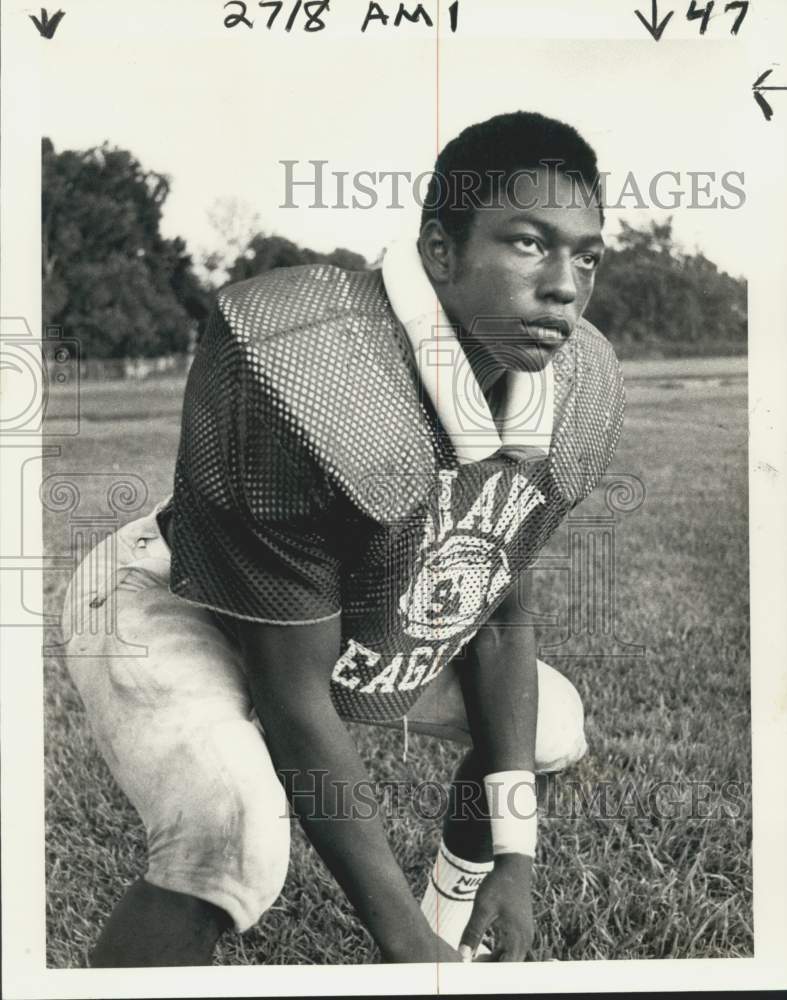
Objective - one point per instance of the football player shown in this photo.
(368, 463)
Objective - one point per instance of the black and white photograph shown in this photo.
(393, 540)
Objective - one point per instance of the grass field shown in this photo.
(634, 883)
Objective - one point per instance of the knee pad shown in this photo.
(227, 845)
(560, 735)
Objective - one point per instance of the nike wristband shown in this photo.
(513, 813)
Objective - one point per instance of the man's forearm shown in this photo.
(288, 671)
(325, 773)
(500, 689)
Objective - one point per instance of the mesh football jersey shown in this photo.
(314, 479)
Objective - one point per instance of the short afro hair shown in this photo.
(481, 161)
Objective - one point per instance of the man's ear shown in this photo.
(437, 251)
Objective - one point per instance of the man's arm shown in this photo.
(500, 690)
(288, 668)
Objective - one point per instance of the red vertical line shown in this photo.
(437, 82)
(437, 391)
(437, 152)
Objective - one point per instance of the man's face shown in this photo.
(524, 276)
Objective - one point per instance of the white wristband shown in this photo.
(513, 815)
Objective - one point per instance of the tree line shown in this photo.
(116, 284)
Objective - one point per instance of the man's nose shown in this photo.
(557, 280)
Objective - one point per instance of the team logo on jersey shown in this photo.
(464, 567)
(453, 587)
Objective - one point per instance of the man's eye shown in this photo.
(588, 262)
(527, 243)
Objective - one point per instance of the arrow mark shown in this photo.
(757, 87)
(47, 26)
(656, 30)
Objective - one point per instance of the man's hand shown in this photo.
(504, 900)
(429, 948)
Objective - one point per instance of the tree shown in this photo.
(109, 277)
(264, 253)
(653, 299)
(236, 224)
(243, 250)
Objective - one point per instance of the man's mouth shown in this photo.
(547, 329)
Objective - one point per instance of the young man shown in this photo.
(369, 461)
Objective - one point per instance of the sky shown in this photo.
(217, 109)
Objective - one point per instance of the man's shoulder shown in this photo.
(593, 339)
(590, 398)
(596, 360)
(291, 298)
(322, 353)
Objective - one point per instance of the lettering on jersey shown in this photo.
(347, 661)
(522, 498)
(385, 681)
(464, 567)
(479, 517)
(423, 664)
(419, 660)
